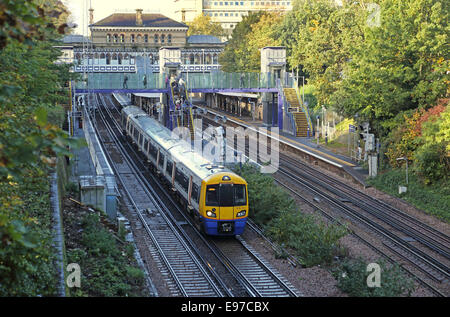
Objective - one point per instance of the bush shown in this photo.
(106, 264)
(431, 162)
(26, 254)
(266, 199)
(352, 278)
(312, 240)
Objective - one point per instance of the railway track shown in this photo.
(218, 258)
(430, 254)
(187, 275)
(256, 273)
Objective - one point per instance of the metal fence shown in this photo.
(207, 80)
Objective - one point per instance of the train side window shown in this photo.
(181, 179)
(212, 195)
(161, 159)
(152, 150)
(240, 198)
(145, 144)
(169, 167)
(194, 194)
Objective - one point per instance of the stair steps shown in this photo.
(301, 122)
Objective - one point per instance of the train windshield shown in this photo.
(226, 195)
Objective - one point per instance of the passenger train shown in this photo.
(216, 197)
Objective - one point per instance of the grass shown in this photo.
(433, 199)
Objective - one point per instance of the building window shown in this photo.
(156, 38)
(163, 38)
(169, 39)
(191, 58)
(146, 38)
(115, 38)
(108, 38)
(119, 59)
(132, 38)
(122, 38)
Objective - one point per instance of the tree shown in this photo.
(203, 25)
(254, 32)
(320, 37)
(31, 87)
(402, 63)
(262, 34)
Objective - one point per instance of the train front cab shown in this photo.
(224, 204)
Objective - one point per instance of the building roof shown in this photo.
(148, 20)
(203, 39)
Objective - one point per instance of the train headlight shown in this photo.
(209, 213)
(241, 213)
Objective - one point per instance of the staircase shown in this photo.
(189, 123)
(301, 121)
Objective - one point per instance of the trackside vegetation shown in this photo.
(32, 91)
(313, 241)
(106, 260)
(352, 276)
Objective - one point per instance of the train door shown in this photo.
(226, 209)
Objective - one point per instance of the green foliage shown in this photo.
(312, 240)
(433, 199)
(320, 37)
(203, 25)
(26, 255)
(235, 57)
(352, 278)
(266, 199)
(401, 64)
(31, 94)
(105, 264)
(432, 163)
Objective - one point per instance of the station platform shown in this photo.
(304, 144)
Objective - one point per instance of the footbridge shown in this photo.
(278, 91)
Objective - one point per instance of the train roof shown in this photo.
(179, 149)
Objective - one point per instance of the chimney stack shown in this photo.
(91, 16)
(138, 16)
